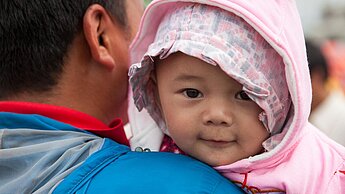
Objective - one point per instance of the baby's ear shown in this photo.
(153, 77)
(153, 80)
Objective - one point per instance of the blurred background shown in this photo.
(323, 22)
(323, 18)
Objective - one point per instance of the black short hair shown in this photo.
(316, 59)
(35, 36)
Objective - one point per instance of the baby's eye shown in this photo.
(242, 95)
(192, 93)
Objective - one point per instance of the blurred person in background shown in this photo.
(328, 101)
(334, 52)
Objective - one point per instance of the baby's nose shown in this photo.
(218, 115)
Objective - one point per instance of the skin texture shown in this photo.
(206, 112)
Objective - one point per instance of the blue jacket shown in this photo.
(42, 155)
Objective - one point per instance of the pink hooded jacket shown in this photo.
(303, 160)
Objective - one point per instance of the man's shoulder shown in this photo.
(153, 172)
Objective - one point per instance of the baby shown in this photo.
(227, 96)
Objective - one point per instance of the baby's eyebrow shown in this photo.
(188, 77)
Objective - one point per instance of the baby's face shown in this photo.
(207, 113)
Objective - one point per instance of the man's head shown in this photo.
(318, 71)
(35, 37)
(47, 46)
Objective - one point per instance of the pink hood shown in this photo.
(304, 161)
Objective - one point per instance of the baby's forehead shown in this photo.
(180, 68)
(183, 62)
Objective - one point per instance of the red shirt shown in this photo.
(75, 118)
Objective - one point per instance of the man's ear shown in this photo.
(96, 25)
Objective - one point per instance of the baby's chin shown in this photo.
(220, 163)
(217, 161)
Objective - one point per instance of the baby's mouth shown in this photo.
(219, 143)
